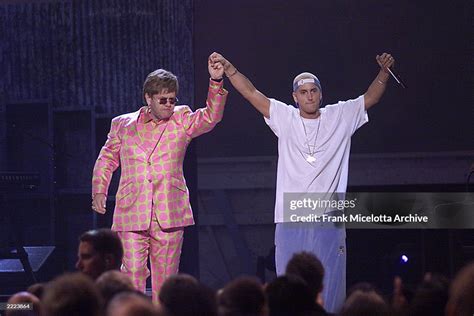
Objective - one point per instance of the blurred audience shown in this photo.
(430, 297)
(99, 250)
(101, 289)
(24, 298)
(131, 304)
(310, 269)
(461, 293)
(243, 296)
(289, 295)
(72, 295)
(37, 290)
(183, 295)
(365, 303)
(113, 282)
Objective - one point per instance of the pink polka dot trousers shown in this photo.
(162, 246)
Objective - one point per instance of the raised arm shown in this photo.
(203, 120)
(243, 85)
(377, 87)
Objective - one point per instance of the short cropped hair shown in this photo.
(131, 303)
(242, 296)
(289, 295)
(309, 268)
(361, 303)
(112, 282)
(182, 294)
(105, 241)
(72, 294)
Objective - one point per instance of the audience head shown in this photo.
(112, 282)
(23, 298)
(99, 250)
(243, 296)
(37, 290)
(309, 268)
(430, 297)
(289, 295)
(71, 295)
(99, 258)
(131, 304)
(461, 293)
(182, 294)
(363, 303)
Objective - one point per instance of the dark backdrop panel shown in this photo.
(272, 41)
(93, 54)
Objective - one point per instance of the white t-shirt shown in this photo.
(329, 143)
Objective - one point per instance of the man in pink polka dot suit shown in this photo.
(152, 202)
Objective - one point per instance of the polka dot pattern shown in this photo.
(152, 202)
(164, 249)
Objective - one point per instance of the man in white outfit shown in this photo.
(313, 157)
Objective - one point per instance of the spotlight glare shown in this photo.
(404, 259)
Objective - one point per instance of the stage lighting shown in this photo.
(403, 259)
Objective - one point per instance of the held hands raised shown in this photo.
(229, 69)
(216, 68)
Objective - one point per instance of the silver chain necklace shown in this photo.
(310, 157)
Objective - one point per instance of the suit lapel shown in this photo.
(134, 131)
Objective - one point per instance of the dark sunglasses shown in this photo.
(165, 100)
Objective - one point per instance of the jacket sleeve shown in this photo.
(108, 160)
(203, 120)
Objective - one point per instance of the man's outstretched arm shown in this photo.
(377, 87)
(243, 85)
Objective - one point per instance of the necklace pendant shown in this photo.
(310, 159)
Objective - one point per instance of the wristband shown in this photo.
(236, 71)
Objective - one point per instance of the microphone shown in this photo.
(397, 78)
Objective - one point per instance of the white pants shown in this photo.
(328, 244)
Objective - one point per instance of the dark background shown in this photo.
(68, 67)
(273, 41)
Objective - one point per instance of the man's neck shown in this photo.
(310, 115)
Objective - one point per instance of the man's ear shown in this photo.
(294, 97)
(147, 98)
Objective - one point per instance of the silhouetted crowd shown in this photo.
(99, 288)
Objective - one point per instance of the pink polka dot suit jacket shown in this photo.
(151, 157)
